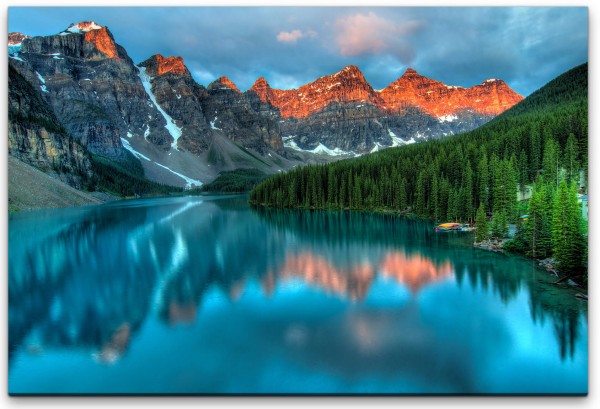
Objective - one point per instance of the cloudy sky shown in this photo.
(291, 46)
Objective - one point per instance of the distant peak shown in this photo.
(16, 38)
(83, 27)
(410, 72)
(351, 70)
(170, 64)
(159, 65)
(260, 83)
(228, 83)
(492, 81)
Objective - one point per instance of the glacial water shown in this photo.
(202, 295)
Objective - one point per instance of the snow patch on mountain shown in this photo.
(173, 129)
(14, 48)
(319, 150)
(82, 27)
(376, 148)
(43, 81)
(212, 124)
(135, 153)
(189, 181)
(447, 118)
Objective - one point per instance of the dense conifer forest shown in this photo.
(537, 150)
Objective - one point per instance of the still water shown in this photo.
(206, 295)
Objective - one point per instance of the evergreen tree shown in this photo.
(551, 162)
(435, 198)
(511, 189)
(570, 159)
(535, 154)
(402, 202)
(523, 171)
(451, 213)
(482, 233)
(567, 241)
(420, 195)
(468, 195)
(538, 229)
(496, 226)
(484, 182)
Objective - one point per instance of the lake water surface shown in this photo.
(206, 295)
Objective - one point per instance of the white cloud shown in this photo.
(291, 37)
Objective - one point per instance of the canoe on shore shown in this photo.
(448, 226)
(455, 227)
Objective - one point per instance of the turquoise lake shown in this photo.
(205, 295)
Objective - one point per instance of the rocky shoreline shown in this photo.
(549, 264)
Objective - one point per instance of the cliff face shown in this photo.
(159, 65)
(201, 112)
(36, 137)
(492, 97)
(91, 85)
(240, 118)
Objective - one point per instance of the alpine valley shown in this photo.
(80, 108)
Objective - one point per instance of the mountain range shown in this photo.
(79, 90)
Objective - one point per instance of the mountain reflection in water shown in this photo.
(92, 279)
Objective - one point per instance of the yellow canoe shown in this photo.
(448, 225)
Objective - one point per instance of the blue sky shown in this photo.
(290, 46)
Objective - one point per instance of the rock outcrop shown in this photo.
(36, 137)
(241, 118)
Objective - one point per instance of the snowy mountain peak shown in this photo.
(16, 38)
(83, 27)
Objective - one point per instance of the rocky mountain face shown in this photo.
(490, 98)
(90, 83)
(341, 114)
(241, 119)
(176, 92)
(36, 137)
(348, 85)
(155, 110)
(184, 133)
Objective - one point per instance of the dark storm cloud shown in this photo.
(526, 47)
